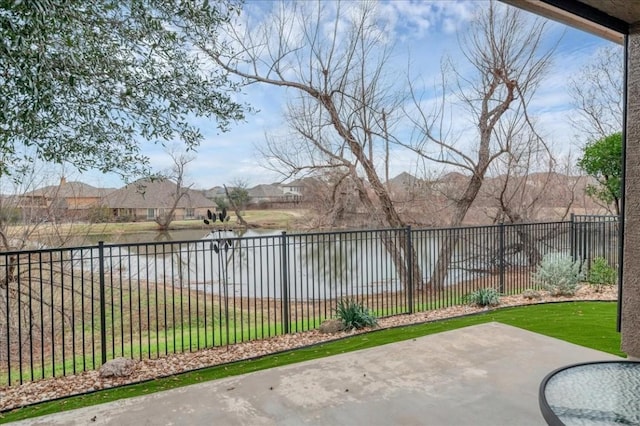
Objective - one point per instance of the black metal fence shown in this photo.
(68, 310)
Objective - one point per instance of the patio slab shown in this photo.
(486, 374)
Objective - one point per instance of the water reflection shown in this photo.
(268, 264)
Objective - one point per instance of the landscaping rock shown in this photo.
(331, 326)
(531, 294)
(117, 367)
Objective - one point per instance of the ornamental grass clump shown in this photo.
(483, 297)
(354, 315)
(559, 274)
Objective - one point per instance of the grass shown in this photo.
(148, 333)
(148, 321)
(590, 324)
(275, 219)
(152, 344)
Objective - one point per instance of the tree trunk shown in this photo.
(441, 269)
(397, 249)
(236, 209)
(399, 255)
(529, 247)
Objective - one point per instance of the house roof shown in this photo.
(216, 191)
(265, 190)
(302, 182)
(70, 190)
(144, 194)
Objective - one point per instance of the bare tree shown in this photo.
(34, 214)
(527, 180)
(338, 112)
(597, 93)
(504, 50)
(333, 61)
(176, 174)
(238, 197)
(526, 183)
(330, 198)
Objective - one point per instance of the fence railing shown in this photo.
(67, 310)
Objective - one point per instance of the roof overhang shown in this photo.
(610, 19)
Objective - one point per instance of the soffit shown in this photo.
(610, 19)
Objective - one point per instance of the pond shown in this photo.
(156, 236)
(266, 263)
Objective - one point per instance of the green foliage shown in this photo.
(221, 203)
(602, 160)
(483, 297)
(87, 82)
(601, 273)
(559, 274)
(354, 315)
(239, 197)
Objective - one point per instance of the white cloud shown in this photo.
(422, 32)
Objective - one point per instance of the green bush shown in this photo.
(483, 297)
(601, 273)
(354, 315)
(559, 274)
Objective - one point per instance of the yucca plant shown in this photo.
(483, 297)
(354, 315)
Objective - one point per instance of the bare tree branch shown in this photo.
(504, 50)
(177, 175)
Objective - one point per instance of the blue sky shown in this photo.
(425, 31)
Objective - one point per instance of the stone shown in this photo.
(117, 367)
(531, 294)
(331, 326)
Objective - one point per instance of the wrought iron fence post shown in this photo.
(501, 255)
(572, 237)
(409, 263)
(103, 306)
(585, 228)
(285, 284)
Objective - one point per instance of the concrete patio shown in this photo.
(481, 375)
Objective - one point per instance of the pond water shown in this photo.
(155, 236)
(264, 263)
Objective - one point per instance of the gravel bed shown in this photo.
(47, 389)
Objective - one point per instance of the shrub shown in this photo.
(354, 315)
(601, 273)
(559, 274)
(483, 297)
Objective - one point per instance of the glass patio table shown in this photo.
(594, 393)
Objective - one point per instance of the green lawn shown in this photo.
(590, 324)
(275, 219)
